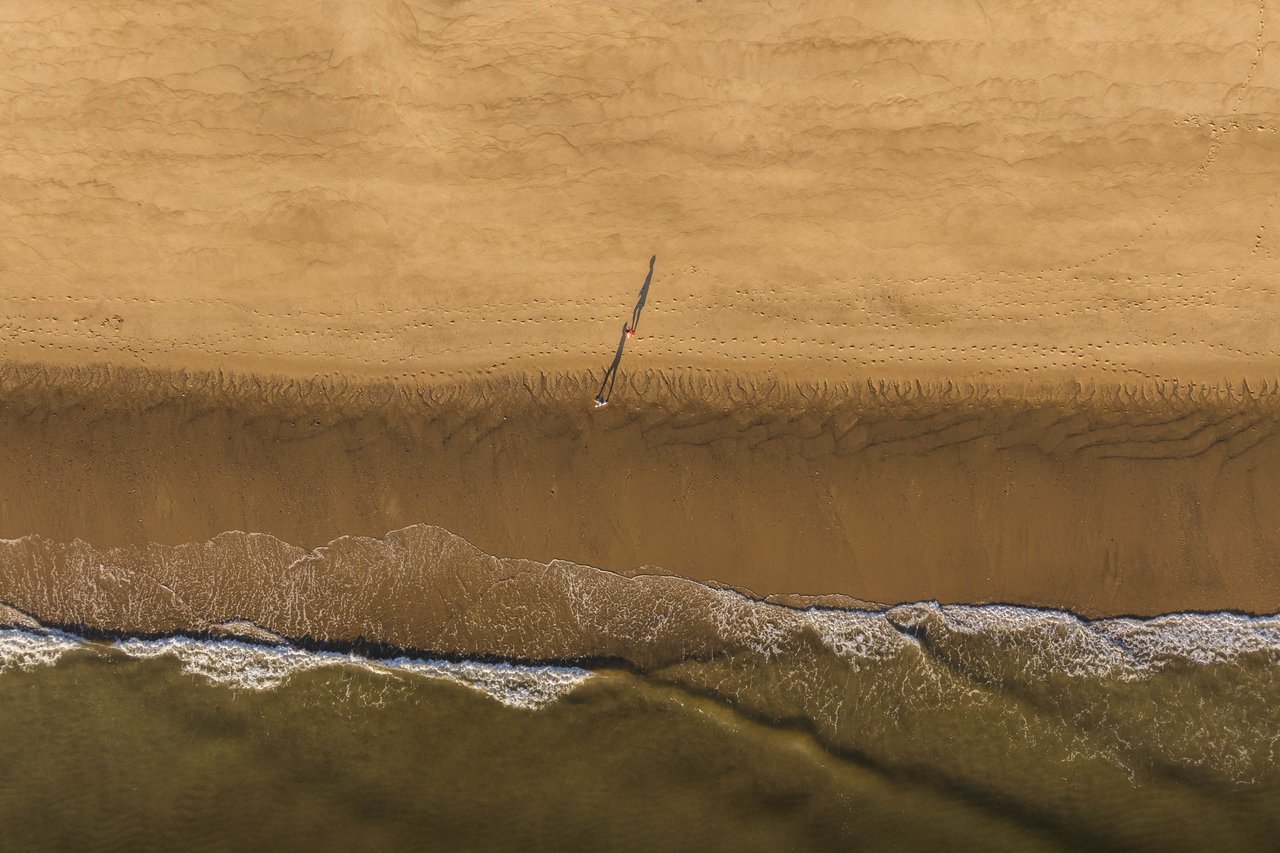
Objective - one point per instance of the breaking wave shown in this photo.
(249, 666)
(963, 690)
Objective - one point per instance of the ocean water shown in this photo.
(971, 728)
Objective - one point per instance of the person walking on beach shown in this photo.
(628, 332)
(610, 375)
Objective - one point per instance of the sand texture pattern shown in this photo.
(1098, 500)
(970, 301)
(412, 189)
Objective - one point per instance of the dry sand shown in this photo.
(974, 301)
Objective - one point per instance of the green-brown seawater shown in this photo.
(976, 728)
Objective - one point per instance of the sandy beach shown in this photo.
(419, 192)
(968, 302)
(932, 502)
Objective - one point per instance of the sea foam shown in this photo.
(25, 649)
(253, 667)
(246, 666)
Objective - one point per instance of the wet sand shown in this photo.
(1099, 501)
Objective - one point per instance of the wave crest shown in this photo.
(897, 682)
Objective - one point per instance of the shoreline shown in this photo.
(1100, 501)
(425, 592)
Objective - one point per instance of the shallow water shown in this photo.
(120, 753)
(975, 732)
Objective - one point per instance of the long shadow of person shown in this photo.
(644, 294)
(610, 375)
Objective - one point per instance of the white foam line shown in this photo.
(21, 648)
(1115, 647)
(252, 667)
(1040, 641)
